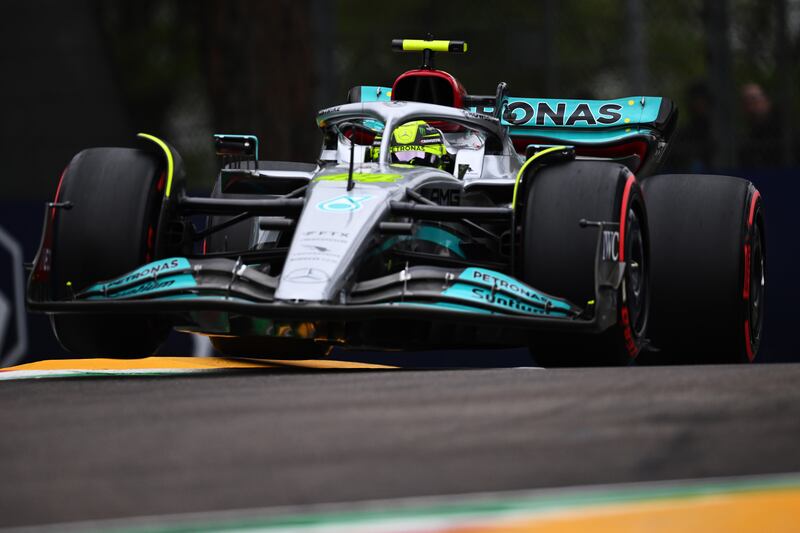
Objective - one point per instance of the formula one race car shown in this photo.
(432, 219)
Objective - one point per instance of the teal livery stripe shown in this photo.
(568, 136)
(167, 283)
(495, 293)
(152, 271)
(505, 293)
(432, 234)
(526, 114)
(372, 93)
(553, 113)
(444, 305)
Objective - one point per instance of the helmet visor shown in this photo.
(404, 156)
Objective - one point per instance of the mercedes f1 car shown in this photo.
(433, 219)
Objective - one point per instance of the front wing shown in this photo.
(210, 295)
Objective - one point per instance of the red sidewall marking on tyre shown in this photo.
(58, 192)
(624, 314)
(150, 253)
(750, 217)
(42, 271)
(746, 282)
(150, 242)
(746, 288)
(753, 200)
(623, 215)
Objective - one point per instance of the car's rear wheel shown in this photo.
(558, 256)
(116, 196)
(709, 262)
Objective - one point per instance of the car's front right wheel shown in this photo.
(558, 256)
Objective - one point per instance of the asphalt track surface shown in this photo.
(97, 448)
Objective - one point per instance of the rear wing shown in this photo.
(634, 130)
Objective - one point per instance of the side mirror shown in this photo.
(236, 148)
(500, 99)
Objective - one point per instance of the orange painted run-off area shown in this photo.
(187, 363)
(744, 512)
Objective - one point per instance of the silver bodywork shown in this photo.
(337, 225)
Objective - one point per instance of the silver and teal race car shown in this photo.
(432, 219)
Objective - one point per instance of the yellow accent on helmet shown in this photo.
(416, 137)
(407, 133)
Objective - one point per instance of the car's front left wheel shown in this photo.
(115, 197)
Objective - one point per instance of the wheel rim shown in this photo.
(756, 307)
(636, 286)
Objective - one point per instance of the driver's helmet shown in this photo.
(415, 143)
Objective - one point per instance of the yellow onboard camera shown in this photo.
(428, 47)
(420, 45)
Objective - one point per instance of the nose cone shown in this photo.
(330, 234)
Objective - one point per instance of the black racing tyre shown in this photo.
(558, 256)
(116, 196)
(270, 347)
(708, 256)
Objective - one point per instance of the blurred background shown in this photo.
(93, 73)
